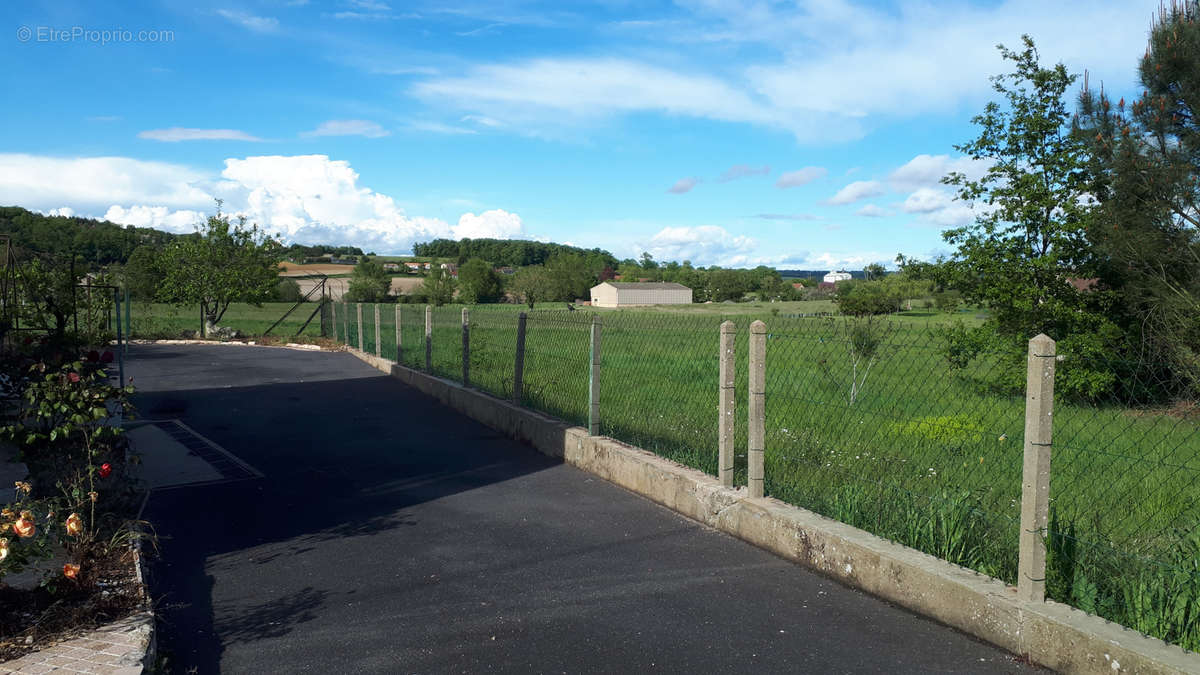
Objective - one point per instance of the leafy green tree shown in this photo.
(438, 287)
(143, 274)
(570, 276)
(478, 282)
(726, 284)
(369, 282)
(1030, 236)
(48, 297)
(874, 272)
(220, 264)
(531, 284)
(865, 298)
(1145, 173)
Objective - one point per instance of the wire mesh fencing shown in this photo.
(1123, 540)
(865, 425)
(880, 424)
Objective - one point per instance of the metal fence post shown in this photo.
(594, 380)
(1035, 482)
(428, 338)
(333, 310)
(758, 418)
(128, 321)
(345, 323)
(519, 364)
(358, 307)
(378, 342)
(121, 339)
(398, 340)
(727, 422)
(466, 347)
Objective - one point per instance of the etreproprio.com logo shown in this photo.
(100, 36)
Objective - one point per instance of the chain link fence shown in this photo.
(874, 423)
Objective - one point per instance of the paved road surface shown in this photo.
(392, 535)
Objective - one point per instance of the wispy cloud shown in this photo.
(176, 134)
(800, 177)
(347, 128)
(258, 24)
(684, 185)
(786, 216)
(440, 128)
(873, 211)
(742, 171)
(856, 191)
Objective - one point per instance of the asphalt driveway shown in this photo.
(389, 534)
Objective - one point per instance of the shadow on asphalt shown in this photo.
(342, 459)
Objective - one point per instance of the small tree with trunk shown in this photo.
(222, 263)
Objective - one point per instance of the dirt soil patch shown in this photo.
(36, 618)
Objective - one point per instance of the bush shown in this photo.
(947, 301)
(865, 298)
(288, 290)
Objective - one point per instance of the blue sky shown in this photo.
(806, 134)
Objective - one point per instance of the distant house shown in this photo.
(391, 267)
(343, 261)
(827, 285)
(620, 294)
(413, 266)
(428, 266)
(451, 269)
(797, 285)
(834, 277)
(508, 271)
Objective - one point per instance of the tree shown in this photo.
(1029, 239)
(143, 274)
(369, 282)
(570, 276)
(478, 282)
(220, 264)
(438, 287)
(288, 290)
(530, 284)
(864, 298)
(874, 272)
(1145, 164)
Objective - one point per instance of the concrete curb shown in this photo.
(1050, 633)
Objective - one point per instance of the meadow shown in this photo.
(923, 455)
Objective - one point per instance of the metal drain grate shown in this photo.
(229, 466)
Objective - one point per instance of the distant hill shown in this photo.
(96, 242)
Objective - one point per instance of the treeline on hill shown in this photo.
(95, 243)
(506, 252)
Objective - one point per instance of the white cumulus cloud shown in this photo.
(258, 24)
(873, 211)
(702, 244)
(306, 198)
(928, 170)
(494, 224)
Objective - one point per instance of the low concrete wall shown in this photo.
(1051, 634)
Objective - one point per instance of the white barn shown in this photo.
(619, 294)
(834, 277)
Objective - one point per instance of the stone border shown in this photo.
(1050, 633)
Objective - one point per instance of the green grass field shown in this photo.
(163, 321)
(924, 456)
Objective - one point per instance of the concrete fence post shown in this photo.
(358, 309)
(594, 380)
(1035, 482)
(428, 338)
(345, 323)
(519, 364)
(727, 409)
(466, 347)
(399, 341)
(333, 319)
(758, 416)
(378, 343)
